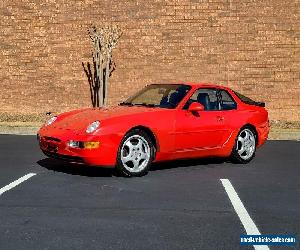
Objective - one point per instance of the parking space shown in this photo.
(17, 158)
(270, 187)
(178, 205)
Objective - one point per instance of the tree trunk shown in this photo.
(101, 80)
(106, 78)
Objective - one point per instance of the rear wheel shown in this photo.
(136, 152)
(245, 146)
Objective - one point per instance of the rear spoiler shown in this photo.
(260, 104)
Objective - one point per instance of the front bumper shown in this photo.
(71, 159)
(54, 144)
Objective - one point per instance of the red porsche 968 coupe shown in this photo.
(161, 122)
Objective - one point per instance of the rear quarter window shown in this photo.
(248, 100)
(243, 98)
(227, 102)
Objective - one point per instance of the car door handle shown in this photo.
(220, 118)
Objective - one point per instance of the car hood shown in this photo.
(80, 119)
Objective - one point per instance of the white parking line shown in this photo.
(241, 211)
(16, 183)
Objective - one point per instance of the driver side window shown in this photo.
(207, 97)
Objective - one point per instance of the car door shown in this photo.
(200, 130)
(228, 113)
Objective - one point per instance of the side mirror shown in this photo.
(196, 106)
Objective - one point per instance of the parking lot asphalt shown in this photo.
(178, 205)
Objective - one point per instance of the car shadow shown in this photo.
(184, 163)
(91, 171)
(75, 169)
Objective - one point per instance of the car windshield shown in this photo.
(159, 95)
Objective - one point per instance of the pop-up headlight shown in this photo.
(51, 120)
(92, 127)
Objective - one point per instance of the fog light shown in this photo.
(74, 144)
(91, 144)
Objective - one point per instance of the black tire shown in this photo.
(124, 168)
(236, 156)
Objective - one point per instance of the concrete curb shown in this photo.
(275, 134)
(285, 134)
(18, 130)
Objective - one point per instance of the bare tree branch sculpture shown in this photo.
(104, 40)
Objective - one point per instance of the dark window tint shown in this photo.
(227, 102)
(247, 100)
(244, 98)
(207, 97)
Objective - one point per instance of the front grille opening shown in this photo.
(51, 139)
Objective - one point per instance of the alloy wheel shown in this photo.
(246, 144)
(135, 153)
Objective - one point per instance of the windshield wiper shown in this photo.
(137, 104)
(126, 104)
(145, 104)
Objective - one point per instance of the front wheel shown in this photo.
(245, 146)
(136, 152)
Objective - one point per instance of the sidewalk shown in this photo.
(31, 128)
(284, 134)
(19, 128)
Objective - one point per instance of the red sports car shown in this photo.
(160, 122)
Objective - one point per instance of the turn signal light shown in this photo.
(91, 144)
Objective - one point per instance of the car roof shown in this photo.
(200, 84)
